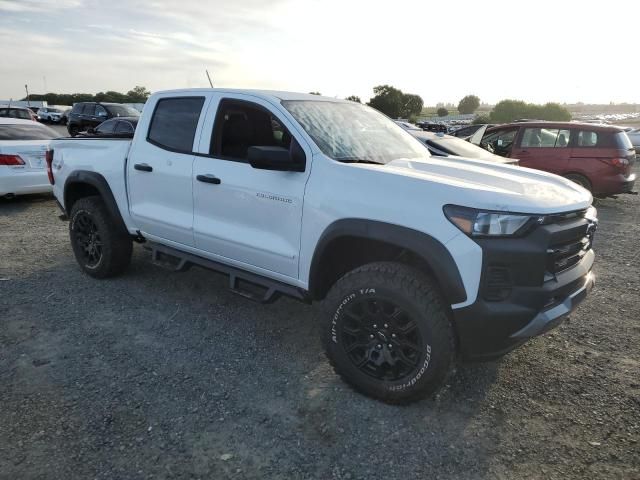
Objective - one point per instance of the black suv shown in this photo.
(87, 115)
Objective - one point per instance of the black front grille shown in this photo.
(567, 253)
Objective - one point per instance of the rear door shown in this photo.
(543, 148)
(86, 116)
(160, 168)
(246, 216)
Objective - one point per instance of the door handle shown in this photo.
(143, 167)
(208, 179)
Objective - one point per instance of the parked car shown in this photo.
(328, 200)
(600, 158)
(23, 144)
(466, 132)
(116, 127)
(442, 145)
(50, 114)
(408, 126)
(18, 112)
(85, 115)
(433, 127)
(634, 137)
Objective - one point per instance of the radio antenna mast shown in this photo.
(210, 82)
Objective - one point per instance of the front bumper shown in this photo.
(528, 300)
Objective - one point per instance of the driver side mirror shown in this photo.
(277, 158)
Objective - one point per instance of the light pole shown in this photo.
(26, 89)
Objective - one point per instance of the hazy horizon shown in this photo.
(546, 52)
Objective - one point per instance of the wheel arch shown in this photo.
(83, 183)
(349, 243)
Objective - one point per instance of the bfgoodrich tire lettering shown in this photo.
(387, 332)
(100, 246)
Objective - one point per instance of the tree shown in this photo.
(412, 105)
(481, 119)
(468, 104)
(138, 94)
(442, 112)
(395, 104)
(510, 110)
(315, 93)
(354, 98)
(387, 99)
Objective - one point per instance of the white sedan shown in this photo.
(23, 145)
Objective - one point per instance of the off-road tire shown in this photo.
(388, 283)
(115, 243)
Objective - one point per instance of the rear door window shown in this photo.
(89, 109)
(174, 122)
(537, 137)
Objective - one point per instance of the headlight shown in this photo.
(485, 223)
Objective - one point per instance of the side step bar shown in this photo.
(246, 284)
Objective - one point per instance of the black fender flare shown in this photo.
(102, 186)
(432, 251)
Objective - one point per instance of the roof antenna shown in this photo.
(210, 82)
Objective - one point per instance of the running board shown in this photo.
(246, 284)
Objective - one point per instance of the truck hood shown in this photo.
(494, 186)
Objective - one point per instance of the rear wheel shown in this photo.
(73, 130)
(100, 246)
(580, 180)
(387, 332)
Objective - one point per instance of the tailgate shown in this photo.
(31, 152)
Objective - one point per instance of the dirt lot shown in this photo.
(163, 375)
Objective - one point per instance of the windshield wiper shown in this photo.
(359, 160)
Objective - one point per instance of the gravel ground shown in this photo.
(164, 375)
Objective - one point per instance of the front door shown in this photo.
(543, 148)
(500, 141)
(242, 215)
(160, 169)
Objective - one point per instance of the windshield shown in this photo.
(352, 132)
(123, 111)
(27, 132)
(461, 148)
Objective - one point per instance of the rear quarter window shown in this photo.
(174, 122)
(595, 139)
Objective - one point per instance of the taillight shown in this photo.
(49, 158)
(11, 160)
(620, 162)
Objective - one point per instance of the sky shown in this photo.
(538, 51)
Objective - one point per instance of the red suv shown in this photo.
(598, 157)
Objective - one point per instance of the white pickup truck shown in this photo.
(416, 260)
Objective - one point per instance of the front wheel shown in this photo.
(100, 246)
(387, 332)
(73, 130)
